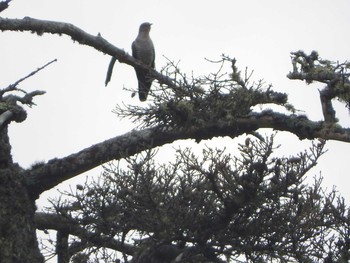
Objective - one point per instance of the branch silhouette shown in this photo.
(98, 42)
(55, 171)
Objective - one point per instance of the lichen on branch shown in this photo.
(10, 110)
(311, 68)
(197, 101)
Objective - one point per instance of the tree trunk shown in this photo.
(18, 242)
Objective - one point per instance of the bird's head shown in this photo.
(145, 27)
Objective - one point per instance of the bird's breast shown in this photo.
(144, 51)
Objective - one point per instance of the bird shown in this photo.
(143, 50)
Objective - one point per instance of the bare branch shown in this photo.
(62, 247)
(42, 178)
(13, 86)
(77, 34)
(9, 109)
(5, 117)
(4, 5)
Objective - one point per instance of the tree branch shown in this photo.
(80, 36)
(5, 117)
(4, 5)
(13, 86)
(9, 109)
(45, 176)
(62, 247)
(59, 223)
(310, 68)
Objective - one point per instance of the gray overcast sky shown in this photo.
(76, 111)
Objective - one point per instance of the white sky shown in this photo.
(76, 111)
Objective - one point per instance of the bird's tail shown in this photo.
(145, 83)
(110, 70)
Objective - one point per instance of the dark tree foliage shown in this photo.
(215, 207)
(193, 102)
(212, 208)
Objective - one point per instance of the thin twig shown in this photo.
(13, 86)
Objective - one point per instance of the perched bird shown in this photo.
(143, 50)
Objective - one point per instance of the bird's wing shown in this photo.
(154, 58)
(144, 82)
(134, 50)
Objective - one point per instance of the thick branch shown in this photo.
(80, 36)
(56, 222)
(5, 117)
(62, 246)
(327, 107)
(4, 5)
(323, 77)
(48, 175)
